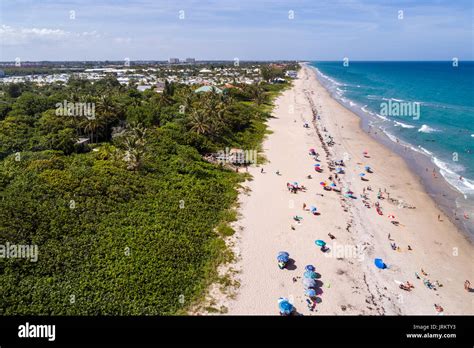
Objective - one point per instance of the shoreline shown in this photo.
(347, 284)
(442, 192)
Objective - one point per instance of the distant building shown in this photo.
(208, 89)
(160, 86)
(278, 80)
(291, 73)
(174, 60)
(2, 73)
(143, 88)
(190, 60)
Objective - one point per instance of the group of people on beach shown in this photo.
(382, 196)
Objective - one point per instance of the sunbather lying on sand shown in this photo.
(404, 287)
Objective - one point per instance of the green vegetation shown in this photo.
(132, 223)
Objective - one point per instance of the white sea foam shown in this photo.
(391, 136)
(328, 78)
(427, 129)
(382, 117)
(429, 153)
(403, 125)
(450, 173)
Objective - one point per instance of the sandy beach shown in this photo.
(348, 282)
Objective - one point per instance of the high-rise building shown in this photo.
(190, 60)
(174, 60)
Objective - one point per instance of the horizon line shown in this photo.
(231, 61)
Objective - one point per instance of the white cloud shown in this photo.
(11, 36)
(122, 40)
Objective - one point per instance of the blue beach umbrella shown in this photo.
(313, 208)
(320, 242)
(332, 184)
(310, 268)
(310, 293)
(362, 174)
(285, 306)
(309, 275)
(367, 167)
(309, 283)
(380, 264)
(283, 256)
(317, 165)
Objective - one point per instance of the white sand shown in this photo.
(348, 280)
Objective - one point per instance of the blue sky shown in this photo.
(244, 29)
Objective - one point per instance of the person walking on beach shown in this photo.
(439, 217)
(304, 206)
(467, 286)
(261, 170)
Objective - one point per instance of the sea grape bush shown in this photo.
(173, 251)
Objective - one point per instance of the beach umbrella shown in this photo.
(320, 242)
(309, 274)
(283, 256)
(311, 150)
(332, 184)
(362, 174)
(309, 283)
(391, 217)
(310, 293)
(365, 152)
(322, 183)
(309, 268)
(380, 264)
(295, 183)
(367, 167)
(317, 165)
(313, 208)
(285, 306)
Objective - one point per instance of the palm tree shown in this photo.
(200, 122)
(92, 127)
(108, 110)
(257, 94)
(133, 141)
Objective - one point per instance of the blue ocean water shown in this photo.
(442, 127)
